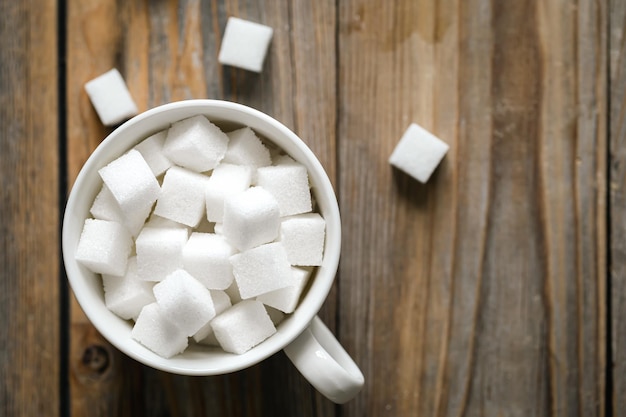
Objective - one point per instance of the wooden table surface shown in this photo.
(496, 289)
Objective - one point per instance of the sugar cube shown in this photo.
(245, 148)
(225, 180)
(153, 330)
(110, 97)
(159, 252)
(245, 44)
(104, 247)
(127, 295)
(418, 153)
(184, 301)
(262, 269)
(289, 184)
(242, 326)
(182, 196)
(303, 238)
(151, 149)
(132, 183)
(251, 218)
(206, 258)
(105, 206)
(221, 302)
(286, 299)
(195, 143)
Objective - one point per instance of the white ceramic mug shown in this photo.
(305, 339)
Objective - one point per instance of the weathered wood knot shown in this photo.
(96, 358)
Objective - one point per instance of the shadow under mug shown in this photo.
(308, 343)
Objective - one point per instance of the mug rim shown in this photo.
(84, 189)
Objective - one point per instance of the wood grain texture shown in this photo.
(482, 292)
(29, 210)
(167, 51)
(617, 177)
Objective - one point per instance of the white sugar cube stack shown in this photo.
(182, 197)
(110, 97)
(104, 247)
(418, 153)
(184, 301)
(197, 234)
(243, 326)
(245, 44)
(156, 332)
(127, 295)
(159, 252)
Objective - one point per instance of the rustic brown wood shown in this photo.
(482, 292)
(617, 178)
(29, 210)
(167, 51)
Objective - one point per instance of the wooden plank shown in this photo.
(29, 214)
(617, 200)
(482, 292)
(167, 51)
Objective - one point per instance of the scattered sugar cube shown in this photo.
(226, 180)
(289, 184)
(132, 183)
(251, 218)
(195, 143)
(286, 299)
(418, 153)
(110, 97)
(221, 302)
(153, 330)
(242, 326)
(127, 295)
(104, 247)
(303, 238)
(206, 258)
(151, 149)
(245, 148)
(262, 269)
(184, 301)
(159, 252)
(182, 196)
(245, 44)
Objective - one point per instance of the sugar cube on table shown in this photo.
(184, 301)
(110, 97)
(195, 143)
(159, 251)
(245, 148)
(182, 197)
(286, 299)
(151, 149)
(418, 153)
(225, 180)
(127, 295)
(206, 257)
(105, 207)
(251, 218)
(221, 302)
(245, 44)
(153, 330)
(262, 269)
(133, 185)
(242, 326)
(303, 238)
(104, 247)
(289, 184)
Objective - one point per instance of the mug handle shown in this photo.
(320, 358)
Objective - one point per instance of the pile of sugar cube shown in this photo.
(203, 234)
